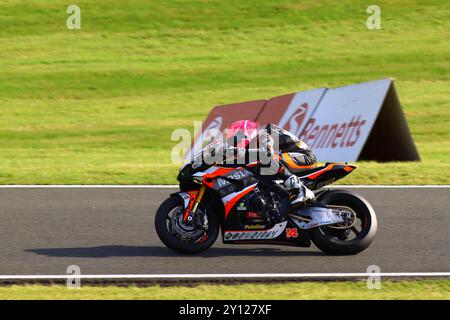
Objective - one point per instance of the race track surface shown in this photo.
(110, 231)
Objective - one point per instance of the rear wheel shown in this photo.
(183, 236)
(341, 240)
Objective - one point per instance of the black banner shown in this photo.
(226, 309)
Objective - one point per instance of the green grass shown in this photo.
(98, 105)
(419, 289)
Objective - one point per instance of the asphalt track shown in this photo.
(110, 231)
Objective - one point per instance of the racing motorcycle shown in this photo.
(246, 209)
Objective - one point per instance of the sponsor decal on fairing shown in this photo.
(272, 233)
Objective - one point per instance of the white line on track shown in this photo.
(176, 186)
(227, 276)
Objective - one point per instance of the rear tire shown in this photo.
(327, 239)
(175, 243)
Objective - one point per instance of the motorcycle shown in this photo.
(246, 209)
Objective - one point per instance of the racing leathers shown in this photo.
(292, 156)
(277, 154)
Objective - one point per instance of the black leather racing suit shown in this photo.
(293, 155)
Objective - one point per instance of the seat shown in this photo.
(308, 171)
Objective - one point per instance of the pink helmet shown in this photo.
(240, 133)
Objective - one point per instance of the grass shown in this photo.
(419, 289)
(98, 105)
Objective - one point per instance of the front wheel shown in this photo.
(351, 240)
(183, 236)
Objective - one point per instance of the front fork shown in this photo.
(196, 197)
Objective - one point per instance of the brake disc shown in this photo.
(185, 230)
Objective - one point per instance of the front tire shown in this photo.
(173, 240)
(337, 242)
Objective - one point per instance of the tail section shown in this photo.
(321, 176)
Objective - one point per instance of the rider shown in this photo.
(292, 154)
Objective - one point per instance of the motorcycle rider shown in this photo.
(287, 153)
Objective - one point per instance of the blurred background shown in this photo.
(98, 105)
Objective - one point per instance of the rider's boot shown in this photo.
(299, 192)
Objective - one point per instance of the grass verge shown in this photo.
(405, 289)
